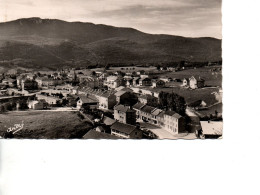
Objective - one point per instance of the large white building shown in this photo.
(173, 122)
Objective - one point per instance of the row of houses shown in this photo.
(169, 120)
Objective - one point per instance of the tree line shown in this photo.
(172, 101)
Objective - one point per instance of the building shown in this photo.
(146, 113)
(158, 83)
(173, 122)
(113, 82)
(185, 82)
(92, 134)
(124, 114)
(49, 99)
(37, 104)
(145, 82)
(9, 81)
(121, 95)
(92, 83)
(39, 82)
(166, 79)
(144, 99)
(129, 81)
(108, 121)
(218, 95)
(137, 107)
(86, 102)
(160, 119)
(196, 82)
(29, 84)
(210, 129)
(171, 69)
(126, 131)
(136, 81)
(106, 101)
(156, 116)
(198, 104)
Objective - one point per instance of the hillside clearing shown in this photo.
(45, 125)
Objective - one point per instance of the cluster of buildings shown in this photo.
(105, 92)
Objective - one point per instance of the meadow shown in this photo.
(45, 124)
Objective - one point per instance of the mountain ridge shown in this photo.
(87, 43)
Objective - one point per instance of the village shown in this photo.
(121, 103)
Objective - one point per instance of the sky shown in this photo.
(190, 18)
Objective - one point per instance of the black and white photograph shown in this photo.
(111, 69)
(126, 97)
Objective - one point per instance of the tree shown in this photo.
(2, 109)
(172, 101)
(64, 102)
(23, 105)
(180, 105)
(130, 101)
(58, 103)
(152, 101)
(162, 100)
(93, 73)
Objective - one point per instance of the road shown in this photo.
(164, 134)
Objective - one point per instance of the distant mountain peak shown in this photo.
(50, 41)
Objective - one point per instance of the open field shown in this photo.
(132, 69)
(211, 110)
(211, 79)
(44, 125)
(192, 95)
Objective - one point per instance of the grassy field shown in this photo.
(211, 79)
(211, 110)
(192, 95)
(45, 124)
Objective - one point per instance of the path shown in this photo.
(164, 134)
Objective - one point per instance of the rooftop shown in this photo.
(108, 121)
(172, 113)
(86, 99)
(156, 112)
(119, 93)
(123, 108)
(138, 106)
(212, 127)
(147, 109)
(125, 128)
(92, 134)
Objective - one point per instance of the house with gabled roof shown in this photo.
(158, 83)
(155, 116)
(145, 81)
(211, 129)
(146, 113)
(86, 102)
(137, 107)
(174, 122)
(92, 134)
(126, 131)
(196, 82)
(113, 82)
(124, 114)
(186, 82)
(121, 95)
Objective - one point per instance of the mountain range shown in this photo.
(51, 43)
